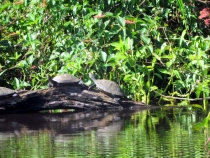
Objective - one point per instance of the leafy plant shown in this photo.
(148, 47)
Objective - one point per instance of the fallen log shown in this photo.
(66, 97)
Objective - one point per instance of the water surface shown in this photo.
(124, 134)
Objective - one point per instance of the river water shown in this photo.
(124, 134)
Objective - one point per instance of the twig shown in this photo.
(205, 1)
(179, 98)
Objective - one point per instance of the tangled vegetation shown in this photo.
(148, 47)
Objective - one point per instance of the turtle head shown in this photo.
(92, 76)
(51, 82)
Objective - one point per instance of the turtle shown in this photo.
(108, 87)
(6, 92)
(64, 80)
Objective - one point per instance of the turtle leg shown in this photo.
(83, 86)
(91, 86)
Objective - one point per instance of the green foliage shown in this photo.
(203, 124)
(145, 46)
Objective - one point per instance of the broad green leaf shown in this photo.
(169, 63)
(22, 64)
(103, 56)
(30, 59)
(150, 47)
(206, 122)
(201, 64)
(108, 14)
(182, 37)
(31, 17)
(153, 88)
(36, 41)
(143, 31)
(64, 55)
(127, 78)
(177, 74)
(163, 46)
(197, 106)
(156, 56)
(120, 56)
(158, 75)
(16, 56)
(117, 45)
(131, 62)
(164, 71)
(145, 39)
(75, 10)
(121, 21)
(16, 83)
(5, 6)
(54, 55)
(198, 126)
(24, 84)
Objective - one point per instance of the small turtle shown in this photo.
(64, 80)
(6, 92)
(108, 87)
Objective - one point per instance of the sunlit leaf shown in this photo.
(121, 21)
(156, 56)
(22, 63)
(16, 83)
(54, 55)
(163, 46)
(182, 37)
(117, 45)
(112, 57)
(164, 71)
(150, 47)
(145, 39)
(31, 16)
(206, 122)
(153, 88)
(103, 56)
(201, 63)
(30, 59)
(5, 6)
(16, 56)
(197, 106)
(198, 126)
(127, 78)
(169, 63)
(74, 10)
(108, 14)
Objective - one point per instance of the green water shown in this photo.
(126, 134)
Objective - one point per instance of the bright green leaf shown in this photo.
(121, 21)
(164, 71)
(145, 39)
(30, 59)
(103, 56)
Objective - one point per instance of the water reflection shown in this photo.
(154, 133)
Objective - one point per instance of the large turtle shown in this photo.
(108, 87)
(6, 92)
(64, 80)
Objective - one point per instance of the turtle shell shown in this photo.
(64, 79)
(5, 92)
(108, 86)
